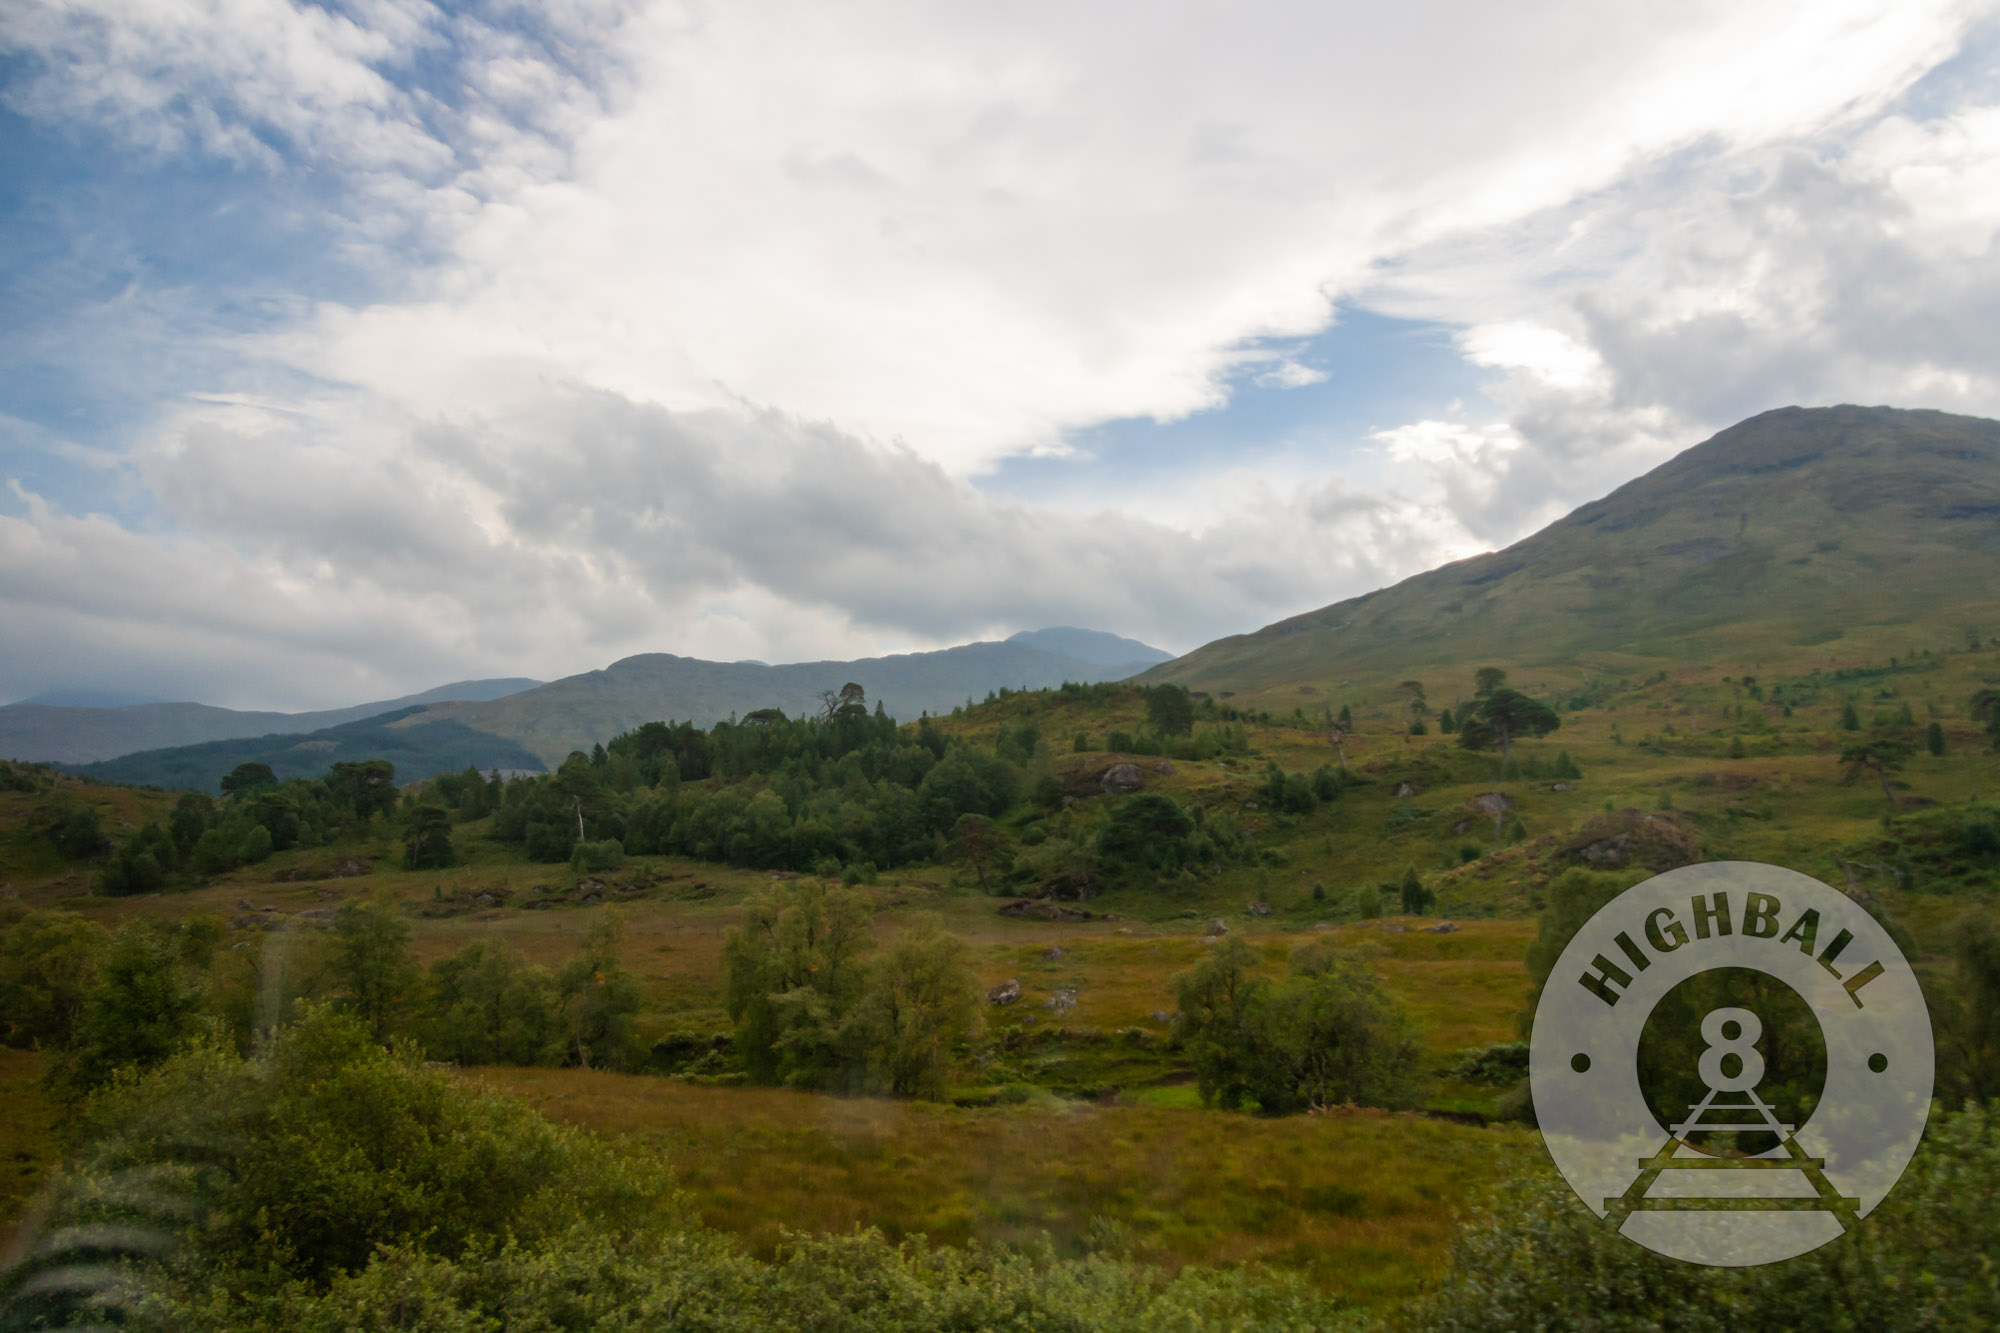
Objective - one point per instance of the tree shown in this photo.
(1325, 1034)
(1883, 758)
(368, 964)
(1337, 731)
(1147, 831)
(1986, 708)
(366, 788)
(1447, 723)
(1417, 897)
(427, 837)
(921, 1001)
(1170, 708)
(1849, 719)
(1969, 1016)
(486, 1005)
(1486, 680)
(1573, 897)
(600, 1000)
(1934, 738)
(978, 840)
(1502, 714)
(48, 962)
(850, 700)
(246, 778)
(796, 969)
(1415, 709)
(140, 1007)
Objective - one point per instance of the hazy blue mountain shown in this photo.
(578, 711)
(54, 733)
(1094, 646)
(90, 699)
(417, 752)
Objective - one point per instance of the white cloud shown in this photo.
(695, 321)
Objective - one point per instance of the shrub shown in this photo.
(595, 858)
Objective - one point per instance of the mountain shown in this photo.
(417, 752)
(1793, 537)
(578, 711)
(58, 733)
(1111, 651)
(91, 699)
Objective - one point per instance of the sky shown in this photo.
(348, 349)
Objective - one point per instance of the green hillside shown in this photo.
(1799, 538)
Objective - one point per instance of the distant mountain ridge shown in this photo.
(533, 728)
(578, 711)
(67, 734)
(1795, 528)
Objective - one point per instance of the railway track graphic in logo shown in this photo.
(1731, 1063)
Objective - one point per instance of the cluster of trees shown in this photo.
(843, 793)
(1324, 1034)
(817, 1005)
(257, 816)
(99, 1001)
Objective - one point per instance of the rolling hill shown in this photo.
(578, 711)
(1790, 539)
(63, 734)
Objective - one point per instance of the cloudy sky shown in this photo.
(350, 348)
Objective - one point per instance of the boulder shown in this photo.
(1406, 788)
(1259, 909)
(1007, 992)
(1052, 953)
(1442, 928)
(1491, 803)
(1061, 1002)
(1122, 777)
(1163, 768)
(1216, 927)
(1393, 928)
(1629, 838)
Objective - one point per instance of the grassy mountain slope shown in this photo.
(1793, 539)
(578, 711)
(43, 733)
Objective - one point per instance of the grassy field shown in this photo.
(1171, 1186)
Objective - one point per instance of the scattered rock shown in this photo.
(1061, 1002)
(243, 905)
(316, 914)
(1461, 826)
(1491, 803)
(1123, 777)
(1259, 909)
(1406, 788)
(1163, 768)
(1007, 992)
(1216, 927)
(1322, 925)
(784, 874)
(1558, 786)
(1052, 953)
(1629, 838)
(1124, 930)
(1162, 1016)
(1249, 805)
(1038, 909)
(1393, 928)
(1442, 928)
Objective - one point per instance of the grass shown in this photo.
(1166, 1183)
(28, 1146)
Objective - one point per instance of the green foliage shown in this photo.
(1883, 757)
(813, 1009)
(1536, 1259)
(1966, 1009)
(1849, 719)
(427, 837)
(246, 778)
(368, 966)
(1170, 709)
(141, 1006)
(48, 961)
(1368, 902)
(978, 841)
(365, 788)
(1501, 716)
(921, 1002)
(1417, 897)
(1934, 738)
(599, 1000)
(1146, 832)
(142, 864)
(1573, 898)
(595, 858)
(487, 1006)
(71, 825)
(257, 845)
(1325, 1034)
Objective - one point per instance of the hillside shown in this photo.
(578, 711)
(1794, 539)
(61, 734)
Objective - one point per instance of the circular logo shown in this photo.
(1731, 1063)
